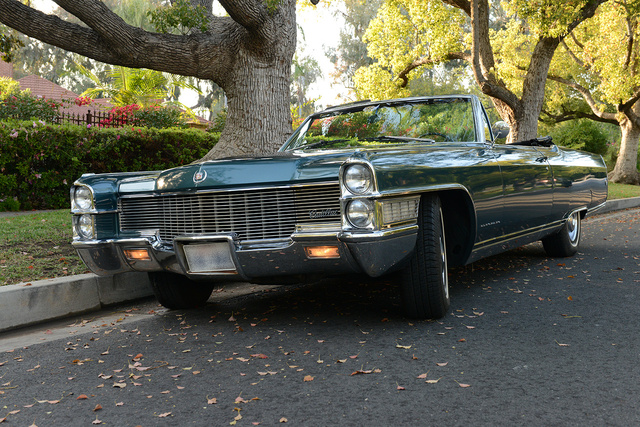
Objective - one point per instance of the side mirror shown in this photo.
(500, 130)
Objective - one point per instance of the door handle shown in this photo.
(542, 159)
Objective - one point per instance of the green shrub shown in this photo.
(582, 135)
(22, 106)
(39, 161)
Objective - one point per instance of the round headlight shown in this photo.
(360, 213)
(358, 178)
(85, 226)
(83, 199)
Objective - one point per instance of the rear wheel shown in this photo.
(425, 282)
(176, 291)
(565, 242)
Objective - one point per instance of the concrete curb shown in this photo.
(31, 303)
(620, 204)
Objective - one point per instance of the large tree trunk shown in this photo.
(247, 53)
(626, 169)
(259, 119)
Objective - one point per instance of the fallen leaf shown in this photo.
(406, 347)
(422, 376)
(97, 408)
(164, 415)
(82, 397)
(432, 381)
(442, 364)
(464, 385)
(283, 420)
(400, 388)
(308, 378)
(96, 421)
(212, 401)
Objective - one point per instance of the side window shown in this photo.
(487, 128)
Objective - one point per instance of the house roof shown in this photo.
(6, 69)
(46, 89)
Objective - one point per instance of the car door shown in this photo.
(528, 188)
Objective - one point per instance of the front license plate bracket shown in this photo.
(208, 257)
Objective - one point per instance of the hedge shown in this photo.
(40, 161)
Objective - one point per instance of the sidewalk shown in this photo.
(31, 303)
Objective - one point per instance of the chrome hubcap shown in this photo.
(443, 259)
(573, 227)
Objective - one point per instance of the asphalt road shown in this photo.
(529, 341)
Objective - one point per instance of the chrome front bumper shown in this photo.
(374, 254)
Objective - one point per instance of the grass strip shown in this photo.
(37, 246)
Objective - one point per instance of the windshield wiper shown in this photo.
(319, 144)
(398, 138)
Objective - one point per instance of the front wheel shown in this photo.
(425, 281)
(565, 242)
(176, 291)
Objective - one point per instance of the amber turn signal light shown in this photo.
(137, 254)
(326, 252)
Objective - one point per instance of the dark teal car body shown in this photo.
(410, 185)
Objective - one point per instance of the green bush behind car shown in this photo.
(39, 161)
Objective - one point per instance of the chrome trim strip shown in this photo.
(596, 208)
(349, 236)
(229, 190)
(93, 212)
(501, 239)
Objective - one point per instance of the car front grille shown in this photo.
(256, 214)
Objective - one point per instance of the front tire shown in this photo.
(176, 291)
(565, 242)
(425, 281)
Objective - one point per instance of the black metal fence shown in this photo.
(93, 118)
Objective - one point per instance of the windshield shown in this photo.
(429, 121)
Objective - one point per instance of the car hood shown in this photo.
(280, 169)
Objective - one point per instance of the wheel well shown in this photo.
(459, 224)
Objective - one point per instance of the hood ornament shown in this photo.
(199, 176)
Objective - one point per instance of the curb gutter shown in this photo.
(39, 301)
(27, 304)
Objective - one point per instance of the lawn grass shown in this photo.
(623, 191)
(37, 246)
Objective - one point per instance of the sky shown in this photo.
(321, 30)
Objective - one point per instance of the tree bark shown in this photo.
(626, 169)
(520, 113)
(248, 54)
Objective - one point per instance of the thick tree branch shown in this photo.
(251, 14)
(627, 108)
(404, 74)
(195, 55)
(573, 56)
(586, 95)
(464, 5)
(630, 41)
(573, 115)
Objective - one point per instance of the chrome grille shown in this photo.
(255, 214)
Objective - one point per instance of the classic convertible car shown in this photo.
(408, 185)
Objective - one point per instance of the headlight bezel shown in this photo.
(361, 214)
(358, 178)
(86, 203)
(84, 227)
